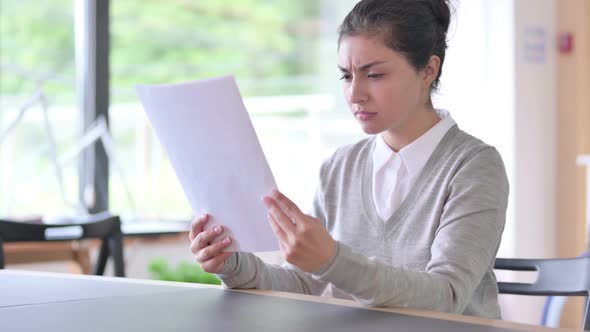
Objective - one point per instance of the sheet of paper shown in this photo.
(209, 139)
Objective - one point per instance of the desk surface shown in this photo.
(29, 300)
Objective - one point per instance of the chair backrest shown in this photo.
(556, 277)
(99, 225)
(103, 226)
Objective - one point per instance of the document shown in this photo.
(207, 134)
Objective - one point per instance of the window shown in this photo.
(274, 48)
(37, 81)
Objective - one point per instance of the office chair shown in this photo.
(103, 226)
(556, 277)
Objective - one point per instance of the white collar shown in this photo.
(414, 155)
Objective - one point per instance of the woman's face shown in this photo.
(381, 87)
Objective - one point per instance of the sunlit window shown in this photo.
(275, 51)
(39, 122)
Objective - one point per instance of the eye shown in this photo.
(346, 77)
(375, 76)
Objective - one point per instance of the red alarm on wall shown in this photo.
(566, 42)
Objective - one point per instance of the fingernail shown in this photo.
(265, 202)
(226, 240)
(217, 229)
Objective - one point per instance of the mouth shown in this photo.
(364, 115)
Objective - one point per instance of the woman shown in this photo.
(413, 215)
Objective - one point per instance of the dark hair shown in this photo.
(415, 28)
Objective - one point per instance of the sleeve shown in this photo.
(245, 270)
(464, 247)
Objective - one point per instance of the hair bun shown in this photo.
(442, 12)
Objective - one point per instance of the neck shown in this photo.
(412, 128)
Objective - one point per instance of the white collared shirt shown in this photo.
(394, 173)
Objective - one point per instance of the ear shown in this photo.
(430, 72)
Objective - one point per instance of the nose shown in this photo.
(357, 92)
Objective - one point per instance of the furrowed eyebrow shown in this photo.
(364, 67)
(370, 64)
(342, 69)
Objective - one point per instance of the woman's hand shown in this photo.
(209, 255)
(303, 239)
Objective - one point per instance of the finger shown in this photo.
(283, 238)
(282, 219)
(215, 264)
(197, 226)
(288, 206)
(213, 250)
(204, 238)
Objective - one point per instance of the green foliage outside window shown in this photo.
(266, 44)
(184, 272)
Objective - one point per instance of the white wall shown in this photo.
(499, 84)
(477, 85)
(535, 144)
(536, 108)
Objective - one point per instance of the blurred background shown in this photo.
(516, 75)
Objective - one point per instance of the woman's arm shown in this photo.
(246, 270)
(464, 247)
